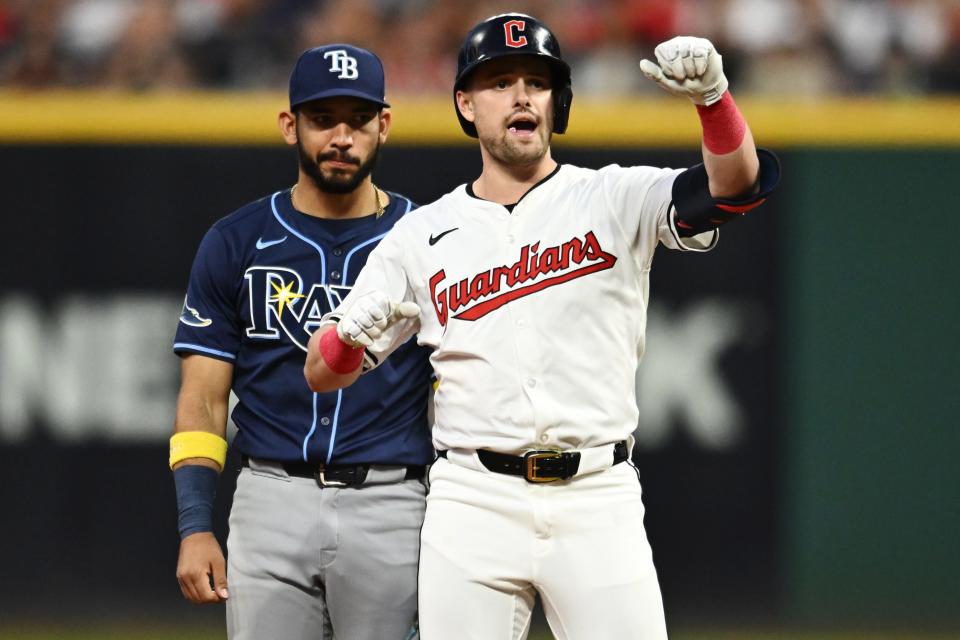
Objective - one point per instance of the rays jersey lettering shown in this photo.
(278, 301)
(535, 271)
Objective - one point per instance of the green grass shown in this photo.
(132, 632)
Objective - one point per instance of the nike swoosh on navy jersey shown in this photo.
(434, 239)
(269, 243)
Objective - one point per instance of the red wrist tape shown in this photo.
(340, 357)
(723, 125)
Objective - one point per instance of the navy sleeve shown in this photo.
(208, 321)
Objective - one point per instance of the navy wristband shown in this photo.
(196, 488)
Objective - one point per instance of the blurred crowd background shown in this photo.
(798, 440)
(770, 47)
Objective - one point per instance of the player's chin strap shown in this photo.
(696, 211)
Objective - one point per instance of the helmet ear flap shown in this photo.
(469, 128)
(562, 100)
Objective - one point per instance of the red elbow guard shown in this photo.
(340, 357)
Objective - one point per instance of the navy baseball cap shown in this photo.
(337, 70)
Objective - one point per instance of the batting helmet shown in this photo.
(511, 34)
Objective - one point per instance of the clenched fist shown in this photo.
(689, 67)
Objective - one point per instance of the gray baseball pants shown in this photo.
(312, 563)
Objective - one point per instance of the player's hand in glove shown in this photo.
(370, 316)
(689, 67)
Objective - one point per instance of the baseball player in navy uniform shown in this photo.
(324, 529)
(531, 286)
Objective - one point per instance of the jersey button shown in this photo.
(338, 252)
(544, 438)
(335, 274)
(531, 382)
(325, 421)
(521, 324)
(510, 238)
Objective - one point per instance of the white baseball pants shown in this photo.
(489, 541)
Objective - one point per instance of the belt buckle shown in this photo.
(530, 466)
(323, 482)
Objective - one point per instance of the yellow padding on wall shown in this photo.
(250, 118)
(197, 444)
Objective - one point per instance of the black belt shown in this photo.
(540, 466)
(339, 475)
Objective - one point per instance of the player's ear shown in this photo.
(386, 118)
(465, 106)
(287, 122)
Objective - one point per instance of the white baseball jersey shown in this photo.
(537, 317)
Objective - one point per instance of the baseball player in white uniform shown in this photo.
(531, 285)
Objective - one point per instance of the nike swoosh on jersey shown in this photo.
(269, 243)
(434, 239)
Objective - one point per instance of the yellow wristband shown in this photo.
(197, 444)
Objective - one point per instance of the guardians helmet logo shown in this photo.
(491, 289)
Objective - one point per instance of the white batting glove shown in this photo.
(370, 315)
(688, 67)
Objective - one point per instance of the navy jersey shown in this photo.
(262, 279)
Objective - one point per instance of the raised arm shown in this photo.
(734, 177)
(691, 67)
(732, 168)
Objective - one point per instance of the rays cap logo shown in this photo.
(337, 70)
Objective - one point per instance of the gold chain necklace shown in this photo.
(376, 194)
(381, 208)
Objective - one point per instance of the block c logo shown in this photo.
(343, 63)
(512, 27)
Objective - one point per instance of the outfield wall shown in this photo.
(871, 386)
(813, 484)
